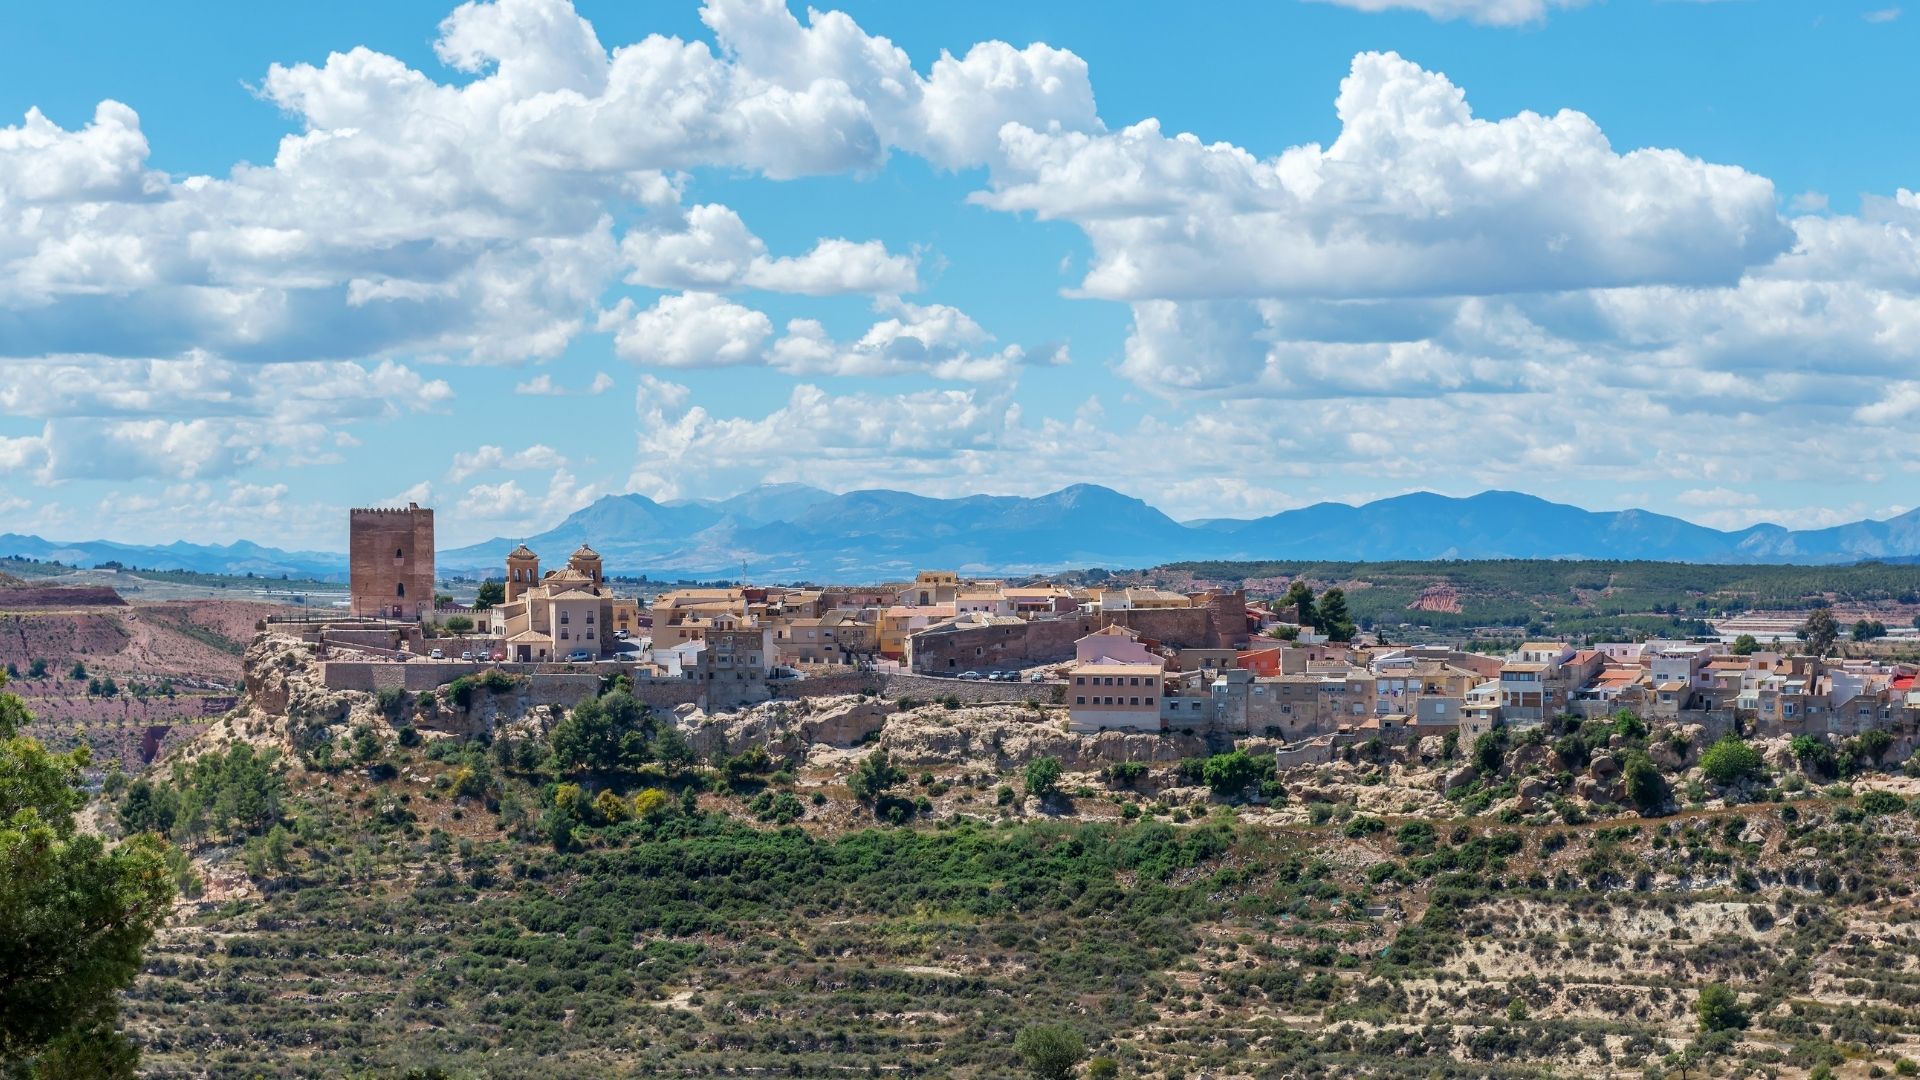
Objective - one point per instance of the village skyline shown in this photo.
(260, 270)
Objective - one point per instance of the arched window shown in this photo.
(399, 554)
(400, 590)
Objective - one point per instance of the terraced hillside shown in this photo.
(126, 679)
(400, 934)
(443, 882)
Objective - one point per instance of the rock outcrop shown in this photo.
(930, 736)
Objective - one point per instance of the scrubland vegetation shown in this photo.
(595, 900)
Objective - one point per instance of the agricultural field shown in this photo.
(1602, 600)
(126, 679)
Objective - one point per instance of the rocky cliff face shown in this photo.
(282, 699)
(929, 736)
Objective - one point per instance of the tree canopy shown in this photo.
(491, 593)
(74, 915)
(1820, 631)
(873, 776)
(1334, 620)
(1043, 776)
(1050, 1051)
(1730, 761)
(1719, 1008)
(1299, 599)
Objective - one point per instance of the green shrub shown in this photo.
(1719, 1009)
(392, 702)
(1232, 773)
(1882, 802)
(1042, 776)
(1362, 826)
(1050, 1051)
(1730, 761)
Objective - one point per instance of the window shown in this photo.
(589, 618)
(563, 635)
(399, 554)
(1133, 701)
(563, 618)
(1080, 701)
(400, 589)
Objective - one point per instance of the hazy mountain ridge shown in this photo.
(792, 531)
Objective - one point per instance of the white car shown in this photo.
(436, 655)
(467, 655)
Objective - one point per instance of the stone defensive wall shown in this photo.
(547, 684)
(1221, 624)
(969, 691)
(562, 684)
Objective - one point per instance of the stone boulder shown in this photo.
(1008, 736)
(850, 725)
(1662, 754)
(1530, 792)
(1465, 774)
(1603, 766)
(1526, 758)
(785, 728)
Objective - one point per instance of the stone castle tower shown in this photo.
(390, 562)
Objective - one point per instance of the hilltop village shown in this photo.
(1136, 660)
(1220, 831)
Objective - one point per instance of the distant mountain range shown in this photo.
(240, 557)
(786, 532)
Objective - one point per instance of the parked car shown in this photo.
(499, 656)
(1036, 677)
(621, 634)
(970, 675)
(579, 656)
(466, 654)
(436, 655)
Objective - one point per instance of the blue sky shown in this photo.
(513, 256)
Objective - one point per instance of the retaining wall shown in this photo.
(568, 685)
(1315, 752)
(981, 692)
(1220, 624)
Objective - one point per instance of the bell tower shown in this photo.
(587, 561)
(523, 571)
